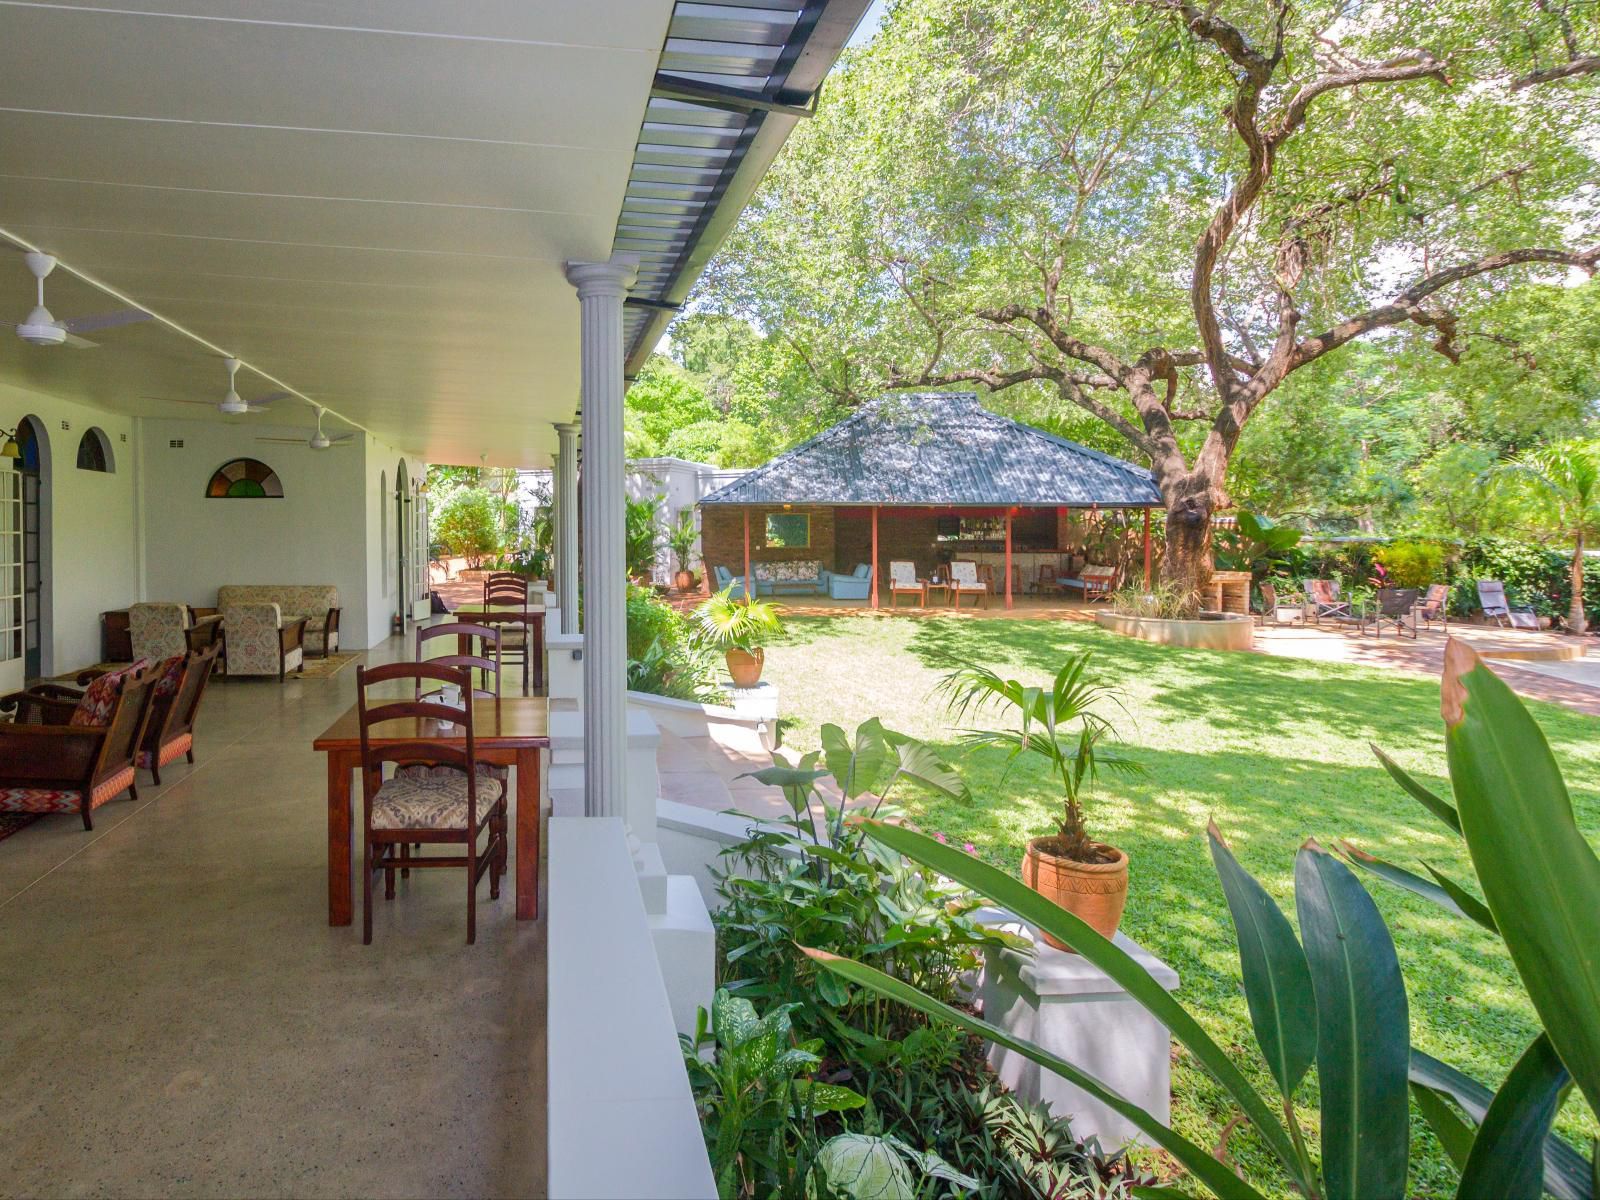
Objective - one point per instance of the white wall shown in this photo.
(92, 521)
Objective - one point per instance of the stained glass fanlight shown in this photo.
(244, 479)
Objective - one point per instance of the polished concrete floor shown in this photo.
(178, 1019)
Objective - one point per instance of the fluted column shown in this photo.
(566, 502)
(601, 288)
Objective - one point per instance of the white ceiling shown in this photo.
(369, 200)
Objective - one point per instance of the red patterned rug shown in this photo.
(15, 822)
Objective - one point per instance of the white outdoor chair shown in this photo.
(964, 581)
(903, 581)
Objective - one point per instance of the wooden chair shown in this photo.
(486, 660)
(986, 576)
(64, 755)
(964, 581)
(508, 578)
(451, 802)
(174, 710)
(1047, 579)
(510, 594)
(903, 581)
(205, 632)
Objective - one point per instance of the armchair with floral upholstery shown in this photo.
(318, 603)
(64, 755)
(157, 629)
(258, 641)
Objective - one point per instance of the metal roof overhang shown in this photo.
(734, 80)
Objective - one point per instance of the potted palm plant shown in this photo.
(740, 628)
(1086, 877)
(680, 538)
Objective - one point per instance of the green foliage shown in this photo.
(755, 1091)
(1168, 600)
(666, 657)
(1541, 880)
(1413, 563)
(681, 539)
(737, 624)
(639, 536)
(1260, 546)
(465, 523)
(1057, 723)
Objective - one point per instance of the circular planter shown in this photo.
(1219, 631)
(745, 666)
(1093, 892)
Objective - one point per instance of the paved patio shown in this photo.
(180, 1020)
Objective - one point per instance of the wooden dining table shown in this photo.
(509, 731)
(532, 617)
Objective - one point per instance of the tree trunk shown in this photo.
(1577, 622)
(1187, 558)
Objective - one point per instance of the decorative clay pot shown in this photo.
(745, 666)
(1093, 892)
(684, 581)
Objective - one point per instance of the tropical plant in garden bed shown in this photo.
(1058, 723)
(1566, 477)
(929, 1121)
(1335, 998)
(741, 629)
(666, 655)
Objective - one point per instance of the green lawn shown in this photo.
(1276, 751)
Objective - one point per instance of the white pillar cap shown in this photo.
(611, 278)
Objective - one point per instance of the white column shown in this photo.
(566, 502)
(601, 288)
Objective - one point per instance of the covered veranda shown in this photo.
(320, 248)
(933, 480)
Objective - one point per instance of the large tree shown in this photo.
(1161, 211)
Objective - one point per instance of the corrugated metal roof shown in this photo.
(942, 449)
(760, 63)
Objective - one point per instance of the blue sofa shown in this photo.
(855, 586)
(777, 579)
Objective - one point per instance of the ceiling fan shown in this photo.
(41, 329)
(318, 440)
(233, 404)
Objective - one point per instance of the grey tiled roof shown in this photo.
(942, 449)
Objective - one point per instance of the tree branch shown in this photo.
(1584, 64)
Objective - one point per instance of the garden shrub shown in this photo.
(1413, 563)
(1534, 575)
(666, 657)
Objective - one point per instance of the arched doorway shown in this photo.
(402, 538)
(33, 465)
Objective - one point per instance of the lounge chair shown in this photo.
(903, 581)
(1095, 580)
(1432, 607)
(1323, 595)
(1395, 606)
(964, 581)
(1492, 598)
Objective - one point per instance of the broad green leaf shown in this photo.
(825, 1097)
(931, 1165)
(1454, 1134)
(733, 1019)
(1506, 1158)
(1452, 898)
(1438, 806)
(1539, 876)
(856, 764)
(1011, 894)
(784, 777)
(1363, 1031)
(1198, 1162)
(919, 762)
(1277, 982)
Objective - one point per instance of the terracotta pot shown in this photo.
(745, 666)
(1093, 892)
(684, 581)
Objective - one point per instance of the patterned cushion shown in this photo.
(169, 751)
(251, 630)
(903, 574)
(788, 572)
(431, 798)
(171, 672)
(965, 576)
(100, 697)
(156, 629)
(39, 800)
(61, 800)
